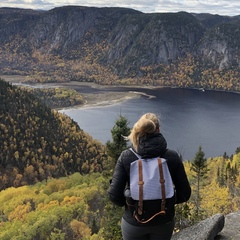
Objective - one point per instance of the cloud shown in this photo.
(33, 4)
(221, 7)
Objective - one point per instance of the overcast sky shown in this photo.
(221, 7)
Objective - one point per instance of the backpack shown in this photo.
(150, 179)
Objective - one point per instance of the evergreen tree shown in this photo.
(112, 216)
(199, 167)
(237, 150)
(225, 156)
(119, 143)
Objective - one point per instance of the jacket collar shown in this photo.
(154, 145)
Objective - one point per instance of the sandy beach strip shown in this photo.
(101, 98)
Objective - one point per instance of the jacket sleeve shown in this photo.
(118, 184)
(179, 177)
(182, 186)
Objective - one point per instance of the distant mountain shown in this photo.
(210, 20)
(120, 45)
(37, 143)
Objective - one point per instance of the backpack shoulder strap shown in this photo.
(162, 183)
(140, 185)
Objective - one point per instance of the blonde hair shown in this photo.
(147, 124)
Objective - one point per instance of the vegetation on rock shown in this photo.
(115, 46)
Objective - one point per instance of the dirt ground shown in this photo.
(107, 98)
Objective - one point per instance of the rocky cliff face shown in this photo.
(220, 44)
(148, 39)
(63, 28)
(122, 38)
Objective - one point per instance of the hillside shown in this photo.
(65, 208)
(121, 46)
(39, 146)
(38, 143)
(77, 206)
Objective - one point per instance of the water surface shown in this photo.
(189, 118)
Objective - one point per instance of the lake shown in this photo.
(188, 118)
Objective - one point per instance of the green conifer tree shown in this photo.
(112, 216)
(119, 143)
(199, 167)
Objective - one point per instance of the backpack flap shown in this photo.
(152, 188)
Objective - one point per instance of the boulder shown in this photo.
(231, 228)
(207, 229)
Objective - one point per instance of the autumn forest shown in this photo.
(54, 176)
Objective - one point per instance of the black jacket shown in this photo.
(150, 146)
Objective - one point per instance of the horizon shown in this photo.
(223, 8)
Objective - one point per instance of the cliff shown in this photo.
(118, 42)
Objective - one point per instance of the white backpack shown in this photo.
(150, 179)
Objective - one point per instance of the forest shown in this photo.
(54, 176)
(57, 97)
(38, 143)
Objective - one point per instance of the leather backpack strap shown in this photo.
(140, 184)
(162, 183)
(148, 220)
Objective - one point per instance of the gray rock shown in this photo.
(207, 229)
(231, 228)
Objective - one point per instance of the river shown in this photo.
(189, 119)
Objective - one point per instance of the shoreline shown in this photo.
(107, 99)
(110, 98)
(102, 100)
(98, 99)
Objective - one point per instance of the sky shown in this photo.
(221, 7)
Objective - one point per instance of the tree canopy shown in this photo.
(119, 133)
(38, 143)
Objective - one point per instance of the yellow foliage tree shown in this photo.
(20, 212)
(80, 229)
(215, 199)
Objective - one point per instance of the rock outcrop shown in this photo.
(217, 227)
(205, 230)
(231, 228)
